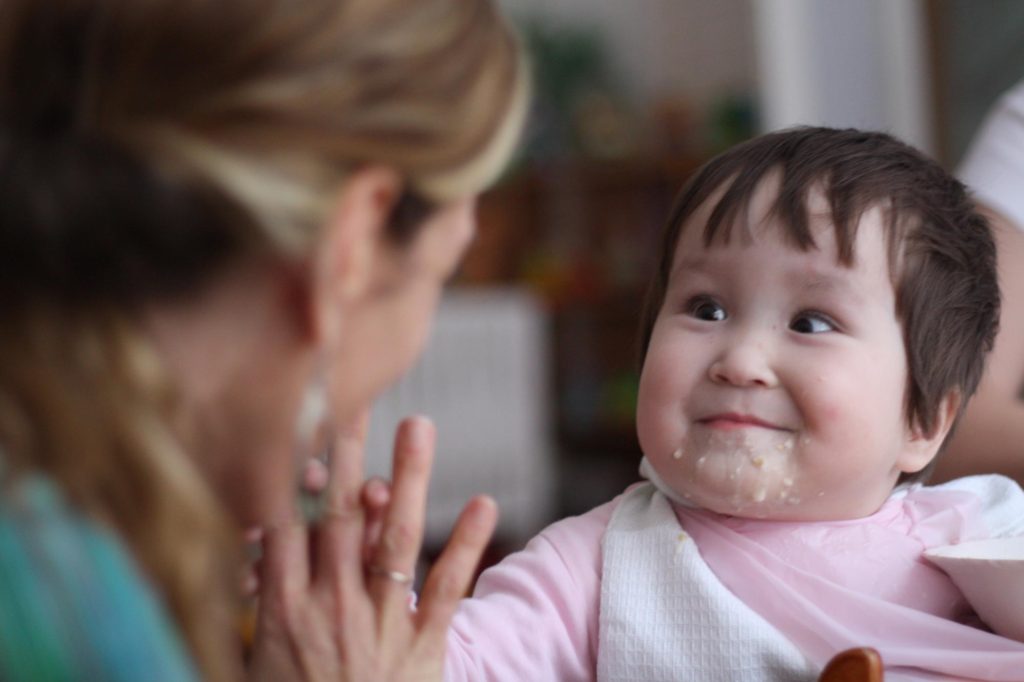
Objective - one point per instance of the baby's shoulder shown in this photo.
(578, 538)
(587, 528)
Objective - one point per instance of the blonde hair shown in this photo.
(433, 88)
(145, 144)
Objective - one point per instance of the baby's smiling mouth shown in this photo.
(729, 421)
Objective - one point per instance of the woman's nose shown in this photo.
(744, 363)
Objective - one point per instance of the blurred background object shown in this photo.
(977, 53)
(483, 379)
(631, 97)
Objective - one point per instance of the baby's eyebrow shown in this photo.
(819, 282)
(700, 264)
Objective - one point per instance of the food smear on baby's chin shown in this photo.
(741, 472)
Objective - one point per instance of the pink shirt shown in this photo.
(535, 615)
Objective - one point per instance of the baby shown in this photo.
(821, 313)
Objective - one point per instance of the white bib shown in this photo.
(665, 616)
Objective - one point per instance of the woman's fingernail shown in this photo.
(419, 428)
(316, 475)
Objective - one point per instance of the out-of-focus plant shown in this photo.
(579, 107)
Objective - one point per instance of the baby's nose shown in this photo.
(745, 364)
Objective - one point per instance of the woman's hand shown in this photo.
(326, 614)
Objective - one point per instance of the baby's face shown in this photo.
(774, 381)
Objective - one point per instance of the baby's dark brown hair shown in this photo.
(942, 255)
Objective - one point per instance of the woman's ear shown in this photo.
(922, 447)
(344, 258)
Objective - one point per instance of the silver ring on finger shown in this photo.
(388, 574)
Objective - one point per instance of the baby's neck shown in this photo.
(648, 472)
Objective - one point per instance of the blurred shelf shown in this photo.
(603, 213)
(584, 234)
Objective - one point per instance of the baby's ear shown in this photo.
(922, 447)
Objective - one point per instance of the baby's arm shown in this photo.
(534, 615)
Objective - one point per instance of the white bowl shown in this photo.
(990, 573)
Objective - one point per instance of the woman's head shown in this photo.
(154, 149)
(241, 185)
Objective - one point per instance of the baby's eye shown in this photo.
(706, 309)
(812, 323)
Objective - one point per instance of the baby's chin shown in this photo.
(751, 473)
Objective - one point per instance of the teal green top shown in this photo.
(73, 604)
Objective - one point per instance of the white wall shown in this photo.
(856, 63)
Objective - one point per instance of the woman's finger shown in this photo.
(315, 476)
(284, 567)
(452, 574)
(340, 533)
(393, 563)
(346, 464)
(376, 496)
